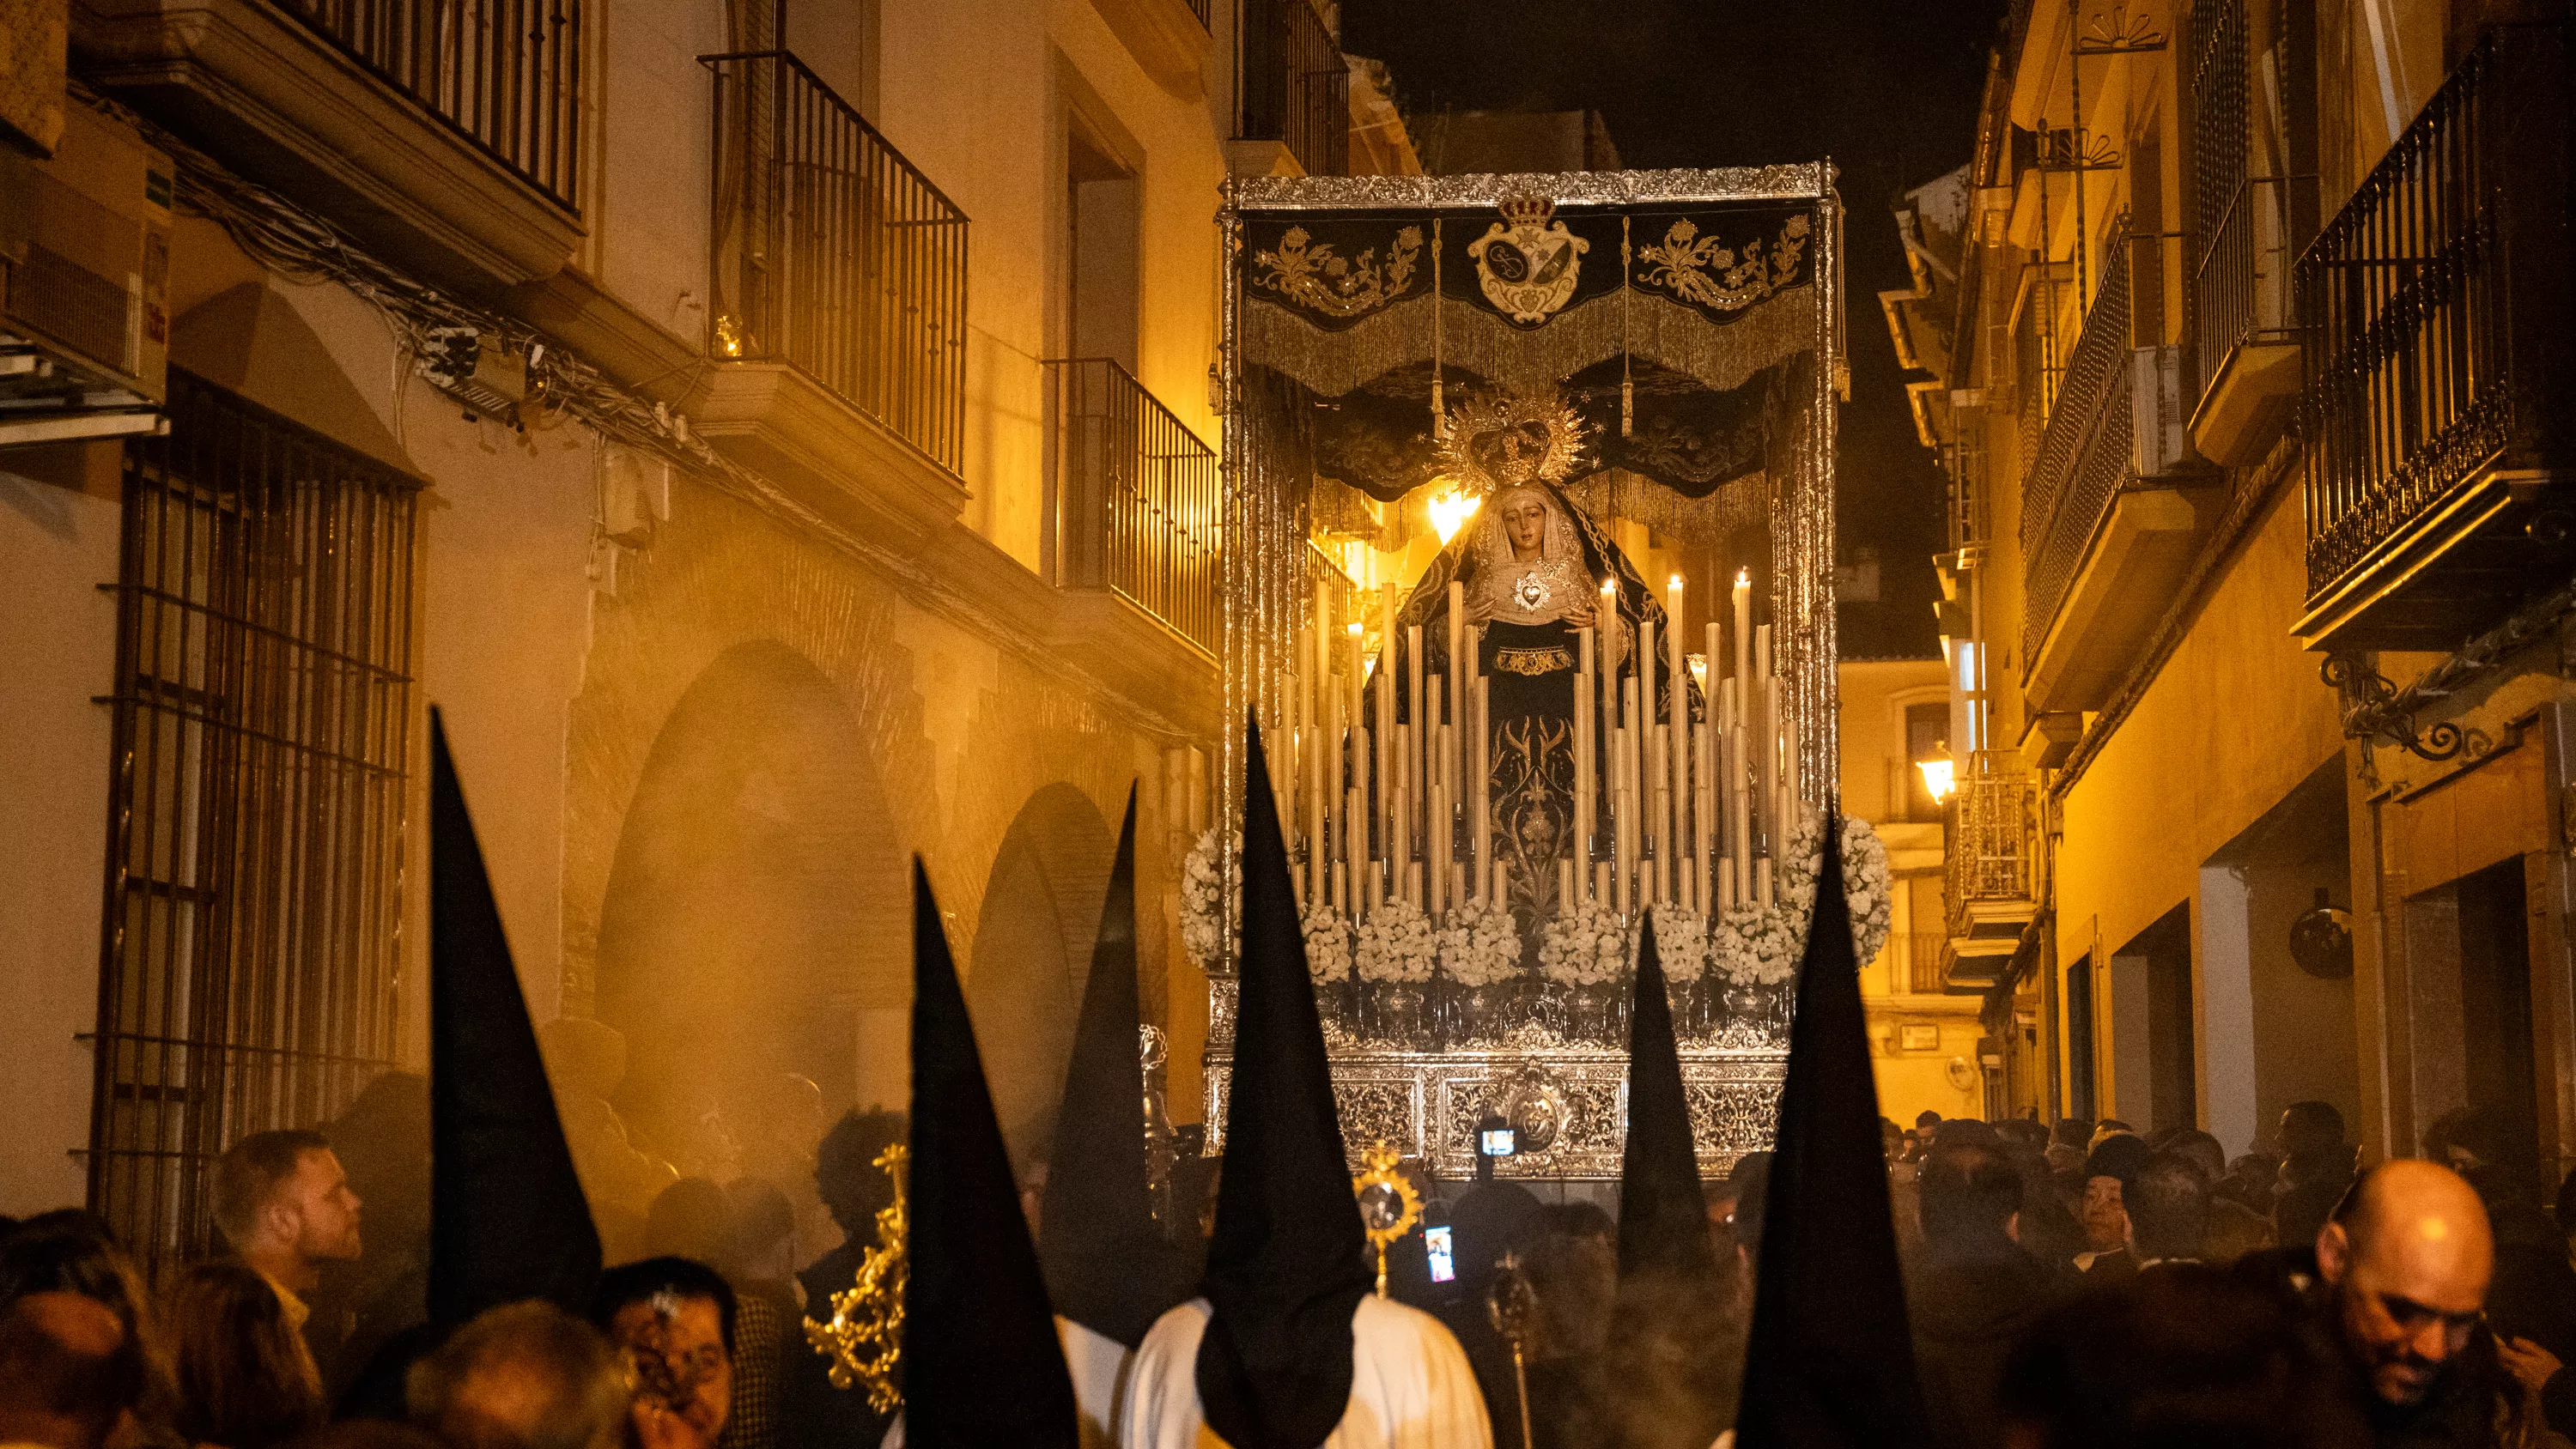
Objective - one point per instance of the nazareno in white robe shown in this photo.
(1411, 1387)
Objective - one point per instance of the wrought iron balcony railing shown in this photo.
(2083, 451)
(506, 74)
(1139, 499)
(2245, 228)
(835, 255)
(1296, 86)
(1989, 858)
(2439, 299)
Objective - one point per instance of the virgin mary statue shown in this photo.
(1535, 571)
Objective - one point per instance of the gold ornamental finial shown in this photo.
(864, 1337)
(1389, 1205)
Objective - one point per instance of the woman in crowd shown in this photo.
(245, 1378)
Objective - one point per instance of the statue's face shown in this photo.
(1524, 522)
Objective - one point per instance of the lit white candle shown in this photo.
(1742, 666)
(1580, 848)
(1482, 686)
(1676, 743)
(1355, 784)
(1641, 726)
(1766, 744)
(1419, 732)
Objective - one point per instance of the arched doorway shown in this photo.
(756, 907)
(1032, 955)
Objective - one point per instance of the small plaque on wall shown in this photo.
(1918, 1038)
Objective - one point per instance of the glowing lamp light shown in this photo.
(1940, 777)
(1450, 512)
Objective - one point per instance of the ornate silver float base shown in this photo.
(1568, 1101)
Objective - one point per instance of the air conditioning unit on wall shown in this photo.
(84, 286)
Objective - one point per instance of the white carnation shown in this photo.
(1480, 944)
(1328, 944)
(1396, 943)
(1586, 946)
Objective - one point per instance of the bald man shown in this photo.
(2404, 1267)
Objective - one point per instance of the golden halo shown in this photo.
(1487, 443)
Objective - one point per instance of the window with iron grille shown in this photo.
(252, 925)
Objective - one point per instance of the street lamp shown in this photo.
(1940, 776)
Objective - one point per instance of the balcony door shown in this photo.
(1102, 295)
(2155, 1078)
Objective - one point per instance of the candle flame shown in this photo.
(1609, 586)
(1676, 583)
(1450, 512)
(1743, 578)
(1355, 629)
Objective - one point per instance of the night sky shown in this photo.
(1886, 90)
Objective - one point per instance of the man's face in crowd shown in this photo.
(323, 1209)
(2106, 1218)
(677, 1347)
(2407, 1297)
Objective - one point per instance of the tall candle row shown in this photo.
(1388, 770)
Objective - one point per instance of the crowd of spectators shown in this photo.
(2076, 1283)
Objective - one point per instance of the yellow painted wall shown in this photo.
(2235, 719)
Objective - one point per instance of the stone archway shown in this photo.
(756, 909)
(1032, 954)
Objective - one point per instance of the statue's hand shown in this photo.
(1480, 612)
(1580, 617)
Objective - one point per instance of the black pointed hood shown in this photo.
(982, 1368)
(1831, 1364)
(1288, 1264)
(507, 1216)
(1663, 1215)
(1108, 1265)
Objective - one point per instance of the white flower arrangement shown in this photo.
(1328, 943)
(1758, 945)
(1586, 946)
(1480, 944)
(1396, 943)
(1681, 942)
(1868, 885)
(1866, 880)
(1761, 946)
(1202, 905)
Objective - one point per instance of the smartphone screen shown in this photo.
(1444, 1263)
(1499, 1141)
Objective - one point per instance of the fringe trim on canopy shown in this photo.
(1477, 341)
(1716, 521)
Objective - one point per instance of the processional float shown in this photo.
(1504, 748)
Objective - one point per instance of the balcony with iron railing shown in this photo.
(446, 134)
(1990, 886)
(2245, 230)
(2112, 505)
(2439, 408)
(838, 317)
(1139, 501)
(1296, 87)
